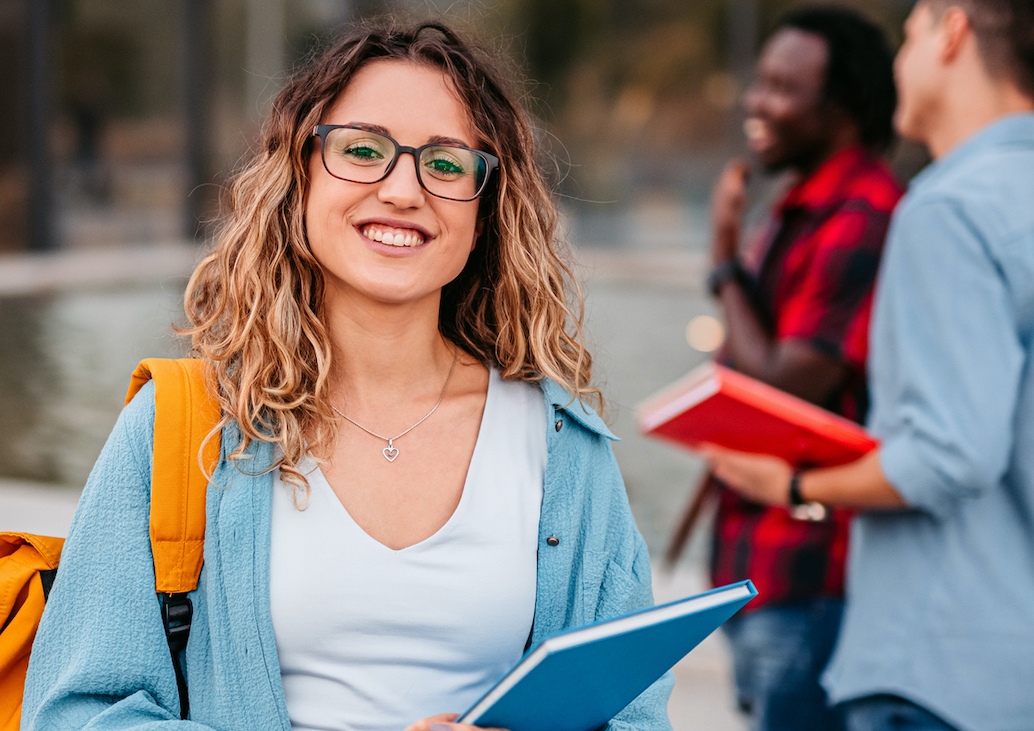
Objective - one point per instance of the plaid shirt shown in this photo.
(813, 274)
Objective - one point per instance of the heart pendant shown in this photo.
(390, 453)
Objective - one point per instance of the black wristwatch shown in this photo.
(801, 509)
(728, 271)
(795, 490)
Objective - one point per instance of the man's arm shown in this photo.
(860, 484)
(948, 358)
(764, 479)
(793, 365)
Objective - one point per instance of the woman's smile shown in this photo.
(392, 236)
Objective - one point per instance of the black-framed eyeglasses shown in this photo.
(359, 155)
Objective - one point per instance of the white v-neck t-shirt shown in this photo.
(374, 639)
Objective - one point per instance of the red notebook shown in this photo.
(718, 405)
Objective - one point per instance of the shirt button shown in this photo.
(553, 540)
(559, 424)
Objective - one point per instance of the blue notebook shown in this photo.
(580, 679)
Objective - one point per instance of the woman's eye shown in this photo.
(445, 166)
(363, 152)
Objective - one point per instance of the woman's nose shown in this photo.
(402, 186)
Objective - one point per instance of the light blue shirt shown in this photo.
(100, 659)
(941, 597)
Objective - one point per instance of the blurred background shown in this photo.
(120, 123)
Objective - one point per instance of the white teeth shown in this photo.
(392, 239)
(755, 129)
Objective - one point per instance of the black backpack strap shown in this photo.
(46, 577)
(177, 614)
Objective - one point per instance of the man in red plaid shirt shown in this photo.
(796, 305)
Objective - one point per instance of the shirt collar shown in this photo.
(1007, 130)
(822, 186)
(558, 396)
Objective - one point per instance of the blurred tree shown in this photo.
(14, 173)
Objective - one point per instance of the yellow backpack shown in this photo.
(185, 414)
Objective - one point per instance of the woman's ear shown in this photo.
(478, 230)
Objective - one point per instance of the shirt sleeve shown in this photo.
(946, 362)
(100, 659)
(829, 294)
(626, 586)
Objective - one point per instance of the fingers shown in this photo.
(726, 468)
(759, 477)
(728, 202)
(723, 463)
(742, 168)
(736, 175)
(715, 454)
(737, 166)
(730, 193)
(443, 721)
(446, 722)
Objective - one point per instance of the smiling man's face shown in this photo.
(788, 119)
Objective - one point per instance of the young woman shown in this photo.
(411, 491)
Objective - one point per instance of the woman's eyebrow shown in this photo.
(369, 127)
(433, 140)
(441, 140)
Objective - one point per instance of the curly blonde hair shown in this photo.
(256, 303)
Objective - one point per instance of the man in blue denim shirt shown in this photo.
(939, 627)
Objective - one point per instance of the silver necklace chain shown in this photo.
(390, 452)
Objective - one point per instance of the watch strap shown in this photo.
(727, 271)
(795, 490)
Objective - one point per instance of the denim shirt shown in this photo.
(101, 659)
(941, 597)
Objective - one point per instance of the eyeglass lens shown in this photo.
(361, 156)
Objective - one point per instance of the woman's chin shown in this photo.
(388, 292)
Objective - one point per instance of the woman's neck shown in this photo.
(384, 351)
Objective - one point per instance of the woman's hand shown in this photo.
(758, 477)
(444, 722)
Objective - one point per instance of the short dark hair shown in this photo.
(859, 70)
(1004, 30)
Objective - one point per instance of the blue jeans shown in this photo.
(890, 713)
(778, 654)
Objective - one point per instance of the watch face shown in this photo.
(809, 511)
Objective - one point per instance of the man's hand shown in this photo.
(728, 202)
(445, 722)
(760, 478)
